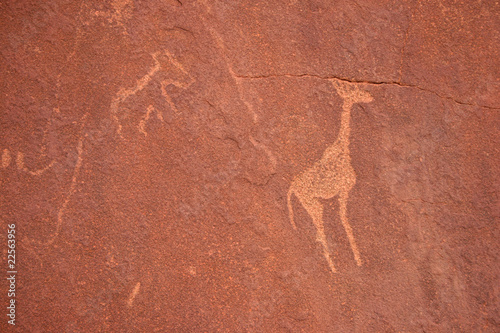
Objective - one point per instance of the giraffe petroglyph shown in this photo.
(331, 176)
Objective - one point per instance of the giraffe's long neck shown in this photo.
(345, 125)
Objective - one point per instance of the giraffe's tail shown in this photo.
(290, 208)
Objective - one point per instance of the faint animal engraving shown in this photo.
(6, 159)
(269, 153)
(241, 92)
(237, 80)
(72, 186)
(21, 166)
(124, 93)
(331, 176)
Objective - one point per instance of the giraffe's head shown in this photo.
(351, 92)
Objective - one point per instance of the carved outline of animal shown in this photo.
(124, 93)
(332, 175)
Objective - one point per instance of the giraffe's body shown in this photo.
(332, 175)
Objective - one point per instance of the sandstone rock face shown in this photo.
(153, 153)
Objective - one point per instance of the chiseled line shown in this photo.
(133, 294)
(123, 93)
(72, 187)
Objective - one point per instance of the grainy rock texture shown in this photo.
(153, 153)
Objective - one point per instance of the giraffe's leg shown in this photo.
(315, 210)
(347, 227)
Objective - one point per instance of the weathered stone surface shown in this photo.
(148, 149)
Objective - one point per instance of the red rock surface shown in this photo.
(148, 148)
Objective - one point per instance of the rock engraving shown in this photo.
(6, 158)
(149, 111)
(124, 93)
(133, 294)
(332, 175)
(179, 84)
(21, 166)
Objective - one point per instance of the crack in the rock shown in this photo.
(179, 28)
(266, 181)
(344, 79)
